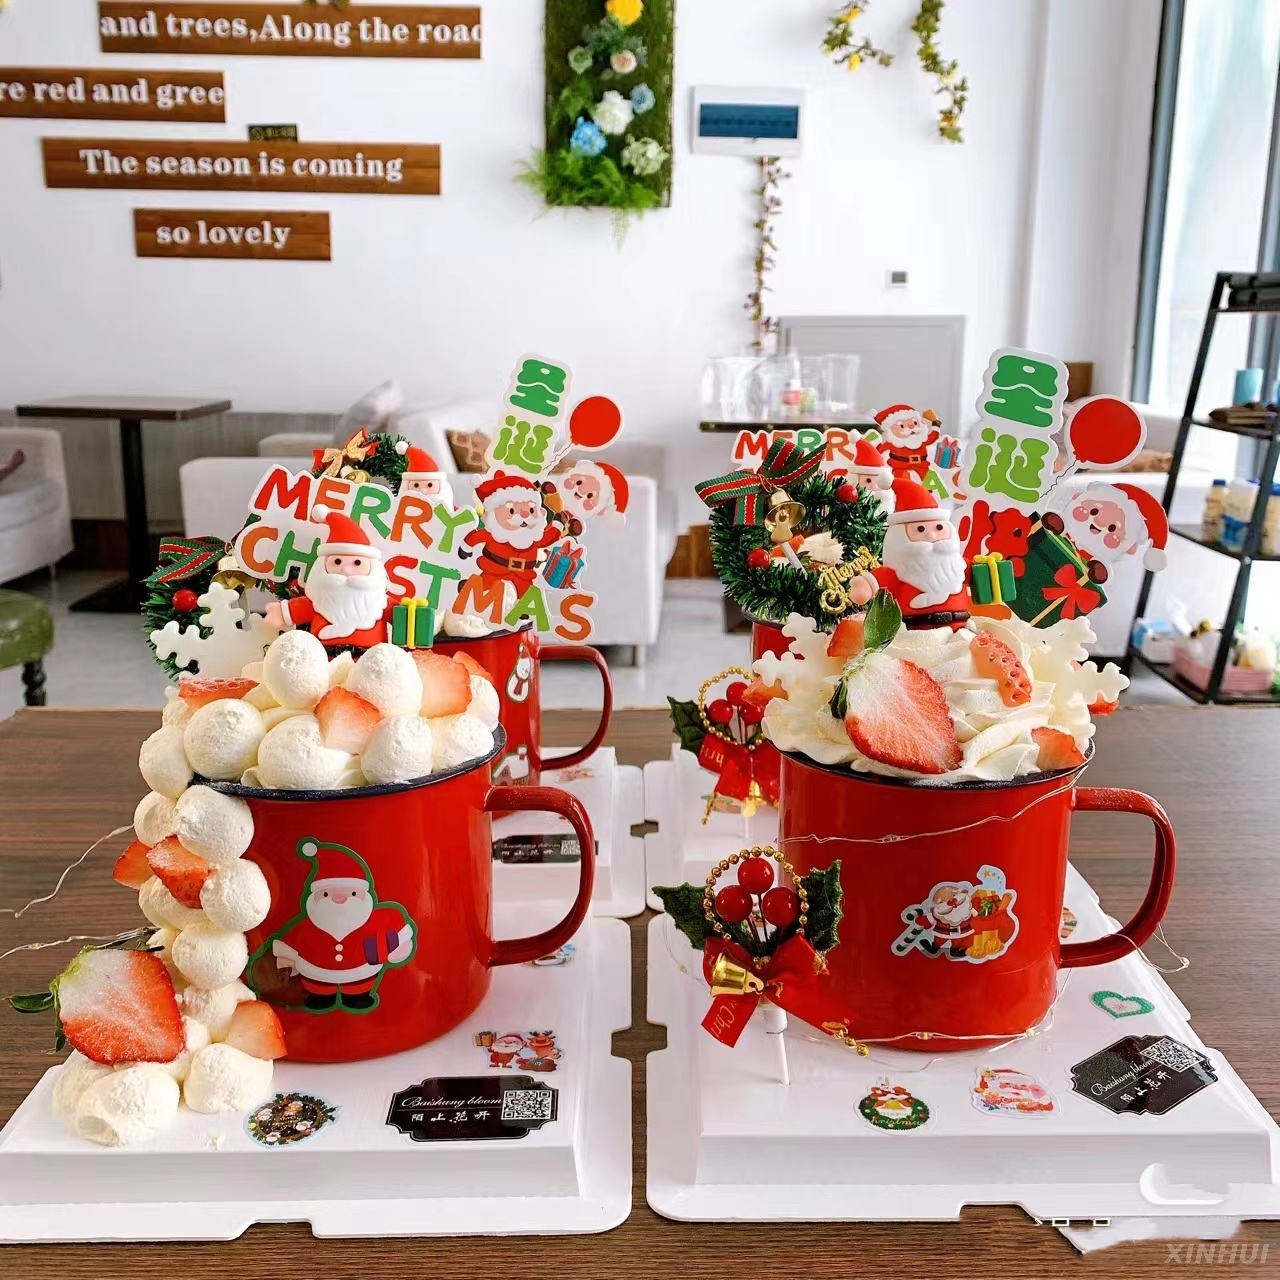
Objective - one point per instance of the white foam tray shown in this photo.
(206, 1179)
(728, 1142)
(684, 848)
(613, 795)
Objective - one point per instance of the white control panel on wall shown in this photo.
(733, 121)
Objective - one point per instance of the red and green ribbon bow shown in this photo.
(785, 464)
(183, 558)
(1076, 597)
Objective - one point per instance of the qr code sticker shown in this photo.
(528, 1104)
(1171, 1054)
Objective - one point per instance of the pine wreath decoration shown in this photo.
(187, 567)
(773, 592)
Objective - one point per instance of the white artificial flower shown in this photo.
(644, 156)
(624, 62)
(613, 113)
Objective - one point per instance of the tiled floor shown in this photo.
(102, 660)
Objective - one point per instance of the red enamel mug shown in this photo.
(953, 896)
(380, 936)
(513, 659)
(767, 637)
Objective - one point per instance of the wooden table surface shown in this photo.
(69, 776)
(137, 408)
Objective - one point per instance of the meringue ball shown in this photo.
(388, 677)
(210, 957)
(161, 942)
(260, 697)
(236, 897)
(155, 818)
(214, 1008)
(177, 710)
(399, 751)
(253, 671)
(219, 828)
(162, 761)
(466, 626)
(273, 716)
(196, 1036)
(163, 909)
(293, 757)
(222, 738)
(73, 1078)
(128, 1106)
(225, 1079)
(484, 702)
(340, 669)
(296, 670)
(457, 740)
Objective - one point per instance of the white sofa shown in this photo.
(626, 565)
(35, 518)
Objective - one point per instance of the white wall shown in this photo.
(444, 292)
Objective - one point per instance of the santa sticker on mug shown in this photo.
(962, 920)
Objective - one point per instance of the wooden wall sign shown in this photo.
(236, 233)
(60, 93)
(285, 28)
(405, 169)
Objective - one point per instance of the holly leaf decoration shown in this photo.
(687, 723)
(683, 903)
(882, 622)
(824, 892)
(38, 1002)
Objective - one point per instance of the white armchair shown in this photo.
(35, 518)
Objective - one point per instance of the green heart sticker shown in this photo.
(1119, 1006)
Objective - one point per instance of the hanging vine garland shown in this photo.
(843, 44)
(772, 176)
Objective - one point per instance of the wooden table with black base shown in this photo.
(126, 595)
(67, 777)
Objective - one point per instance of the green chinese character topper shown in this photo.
(523, 445)
(539, 388)
(1022, 389)
(1002, 463)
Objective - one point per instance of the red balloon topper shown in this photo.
(1104, 432)
(594, 422)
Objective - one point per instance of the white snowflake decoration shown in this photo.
(236, 637)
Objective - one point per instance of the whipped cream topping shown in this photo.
(995, 738)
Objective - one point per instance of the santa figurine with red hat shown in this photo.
(515, 533)
(922, 563)
(1106, 522)
(344, 939)
(345, 590)
(908, 435)
(423, 475)
(869, 473)
(590, 491)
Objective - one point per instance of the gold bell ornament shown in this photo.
(730, 979)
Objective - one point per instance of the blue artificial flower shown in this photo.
(643, 99)
(588, 138)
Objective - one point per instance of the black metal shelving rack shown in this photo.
(1234, 293)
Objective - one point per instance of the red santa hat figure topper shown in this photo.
(1107, 522)
(908, 435)
(869, 471)
(595, 491)
(516, 532)
(423, 474)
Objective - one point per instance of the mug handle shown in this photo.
(1149, 914)
(561, 803)
(580, 653)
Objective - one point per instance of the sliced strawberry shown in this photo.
(347, 721)
(254, 1029)
(758, 694)
(132, 868)
(196, 692)
(446, 684)
(1058, 750)
(182, 872)
(473, 667)
(1101, 707)
(896, 712)
(846, 640)
(995, 660)
(119, 1006)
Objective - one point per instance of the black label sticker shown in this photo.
(558, 847)
(472, 1108)
(1143, 1074)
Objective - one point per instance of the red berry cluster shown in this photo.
(778, 905)
(734, 704)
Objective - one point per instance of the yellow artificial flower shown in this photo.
(852, 12)
(855, 61)
(627, 12)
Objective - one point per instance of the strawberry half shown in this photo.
(473, 667)
(347, 721)
(119, 1006)
(1058, 750)
(1101, 707)
(254, 1029)
(758, 694)
(446, 684)
(847, 639)
(196, 692)
(995, 660)
(182, 872)
(132, 868)
(896, 712)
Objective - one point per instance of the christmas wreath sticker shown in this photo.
(894, 1107)
(289, 1118)
(962, 920)
(343, 940)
